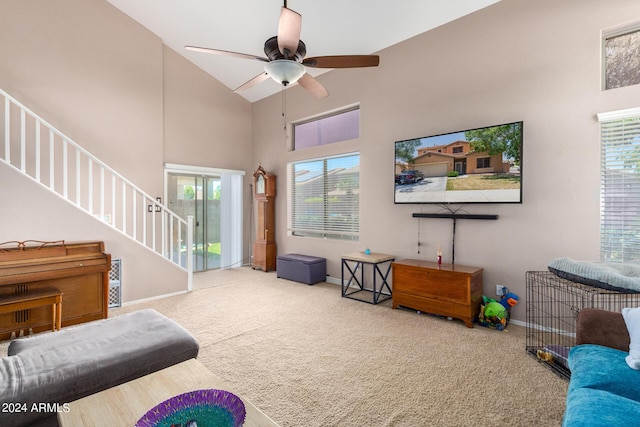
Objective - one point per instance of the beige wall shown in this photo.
(114, 88)
(515, 60)
(205, 123)
(41, 215)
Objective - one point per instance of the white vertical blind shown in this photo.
(324, 197)
(620, 186)
(230, 220)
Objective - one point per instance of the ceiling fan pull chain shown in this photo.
(284, 107)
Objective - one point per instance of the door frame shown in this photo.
(173, 168)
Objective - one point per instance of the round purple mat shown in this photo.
(199, 408)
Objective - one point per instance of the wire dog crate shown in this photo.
(553, 304)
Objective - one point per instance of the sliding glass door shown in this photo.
(198, 196)
(213, 197)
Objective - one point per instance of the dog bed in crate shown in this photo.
(614, 276)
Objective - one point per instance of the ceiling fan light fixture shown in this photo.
(284, 71)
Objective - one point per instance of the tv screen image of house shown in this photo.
(482, 165)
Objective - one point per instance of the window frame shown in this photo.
(619, 226)
(351, 232)
(484, 160)
(326, 115)
(606, 35)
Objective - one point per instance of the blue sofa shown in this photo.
(603, 389)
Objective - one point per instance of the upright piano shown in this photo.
(80, 270)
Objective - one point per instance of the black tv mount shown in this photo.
(454, 216)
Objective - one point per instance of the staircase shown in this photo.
(51, 159)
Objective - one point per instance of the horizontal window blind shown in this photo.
(325, 198)
(620, 187)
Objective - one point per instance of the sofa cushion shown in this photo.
(598, 408)
(602, 327)
(10, 378)
(84, 359)
(596, 367)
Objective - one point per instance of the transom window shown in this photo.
(328, 129)
(621, 57)
(324, 199)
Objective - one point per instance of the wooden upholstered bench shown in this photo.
(33, 298)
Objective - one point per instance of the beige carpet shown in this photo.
(307, 357)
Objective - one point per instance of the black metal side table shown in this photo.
(355, 262)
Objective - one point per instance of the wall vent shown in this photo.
(115, 283)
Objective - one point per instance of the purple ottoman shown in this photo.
(301, 268)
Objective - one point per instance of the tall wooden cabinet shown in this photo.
(444, 289)
(264, 247)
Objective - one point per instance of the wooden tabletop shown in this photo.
(125, 404)
(435, 266)
(372, 258)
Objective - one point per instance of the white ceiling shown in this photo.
(329, 27)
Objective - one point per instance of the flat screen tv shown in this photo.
(482, 165)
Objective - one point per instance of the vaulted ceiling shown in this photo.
(329, 27)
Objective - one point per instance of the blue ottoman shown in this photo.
(301, 268)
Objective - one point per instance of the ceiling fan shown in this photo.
(285, 57)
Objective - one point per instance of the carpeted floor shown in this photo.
(307, 357)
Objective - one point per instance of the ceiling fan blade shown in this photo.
(251, 83)
(289, 28)
(313, 86)
(225, 53)
(342, 61)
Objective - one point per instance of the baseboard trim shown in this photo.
(334, 280)
(138, 301)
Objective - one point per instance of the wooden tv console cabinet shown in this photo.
(445, 289)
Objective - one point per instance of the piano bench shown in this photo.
(38, 297)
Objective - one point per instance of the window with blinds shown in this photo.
(620, 186)
(324, 197)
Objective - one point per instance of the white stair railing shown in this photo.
(43, 153)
